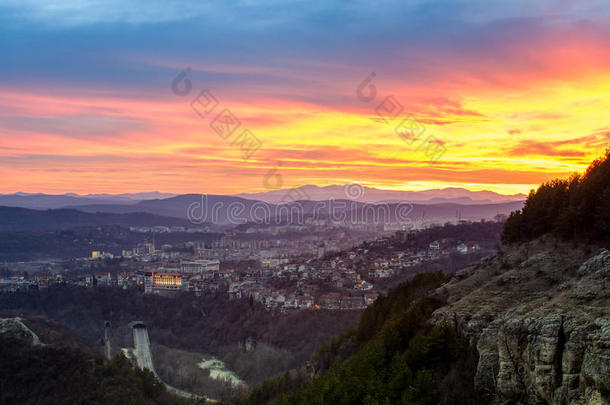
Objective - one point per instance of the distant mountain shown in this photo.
(174, 205)
(23, 219)
(197, 207)
(39, 201)
(151, 195)
(373, 195)
(220, 209)
(48, 201)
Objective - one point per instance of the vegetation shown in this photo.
(23, 219)
(485, 233)
(58, 375)
(211, 324)
(394, 356)
(180, 368)
(576, 208)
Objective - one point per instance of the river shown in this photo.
(219, 371)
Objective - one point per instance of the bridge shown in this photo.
(143, 358)
(108, 340)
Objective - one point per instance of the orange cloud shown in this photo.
(533, 113)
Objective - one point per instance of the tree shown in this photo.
(578, 207)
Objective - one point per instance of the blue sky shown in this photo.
(473, 70)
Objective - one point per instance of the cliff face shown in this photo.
(539, 317)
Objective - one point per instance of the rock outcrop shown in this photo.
(538, 315)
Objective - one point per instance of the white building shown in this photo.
(434, 249)
(200, 266)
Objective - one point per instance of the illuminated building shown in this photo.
(96, 254)
(162, 282)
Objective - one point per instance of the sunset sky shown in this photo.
(517, 92)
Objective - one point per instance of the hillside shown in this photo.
(40, 201)
(538, 316)
(578, 207)
(393, 356)
(49, 372)
(196, 206)
(528, 325)
(212, 324)
(23, 219)
(50, 201)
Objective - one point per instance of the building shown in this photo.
(394, 227)
(200, 266)
(96, 254)
(370, 298)
(352, 302)
(363, 285)
(330, 300)
(160, 283)
(305, 302)
(122, 279)
(434, 249)
(103, 279)
(381, 263)
(145, 249)
(270, 263)
(383, 273)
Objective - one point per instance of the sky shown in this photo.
(245, 96)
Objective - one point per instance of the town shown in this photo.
(285, 268)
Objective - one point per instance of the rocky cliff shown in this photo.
(538, 315)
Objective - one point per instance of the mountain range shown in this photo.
(374, 195)
(53, 201)
(221, 209)
(336, 203)
(309, 192)
(22, 219)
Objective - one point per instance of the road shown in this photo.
(142, 349)
(14, 324)
(35, 339)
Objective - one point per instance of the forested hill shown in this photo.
(578, 207)
(394, 356)
(23, 219)
(57, 373)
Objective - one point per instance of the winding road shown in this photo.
(35, 339)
